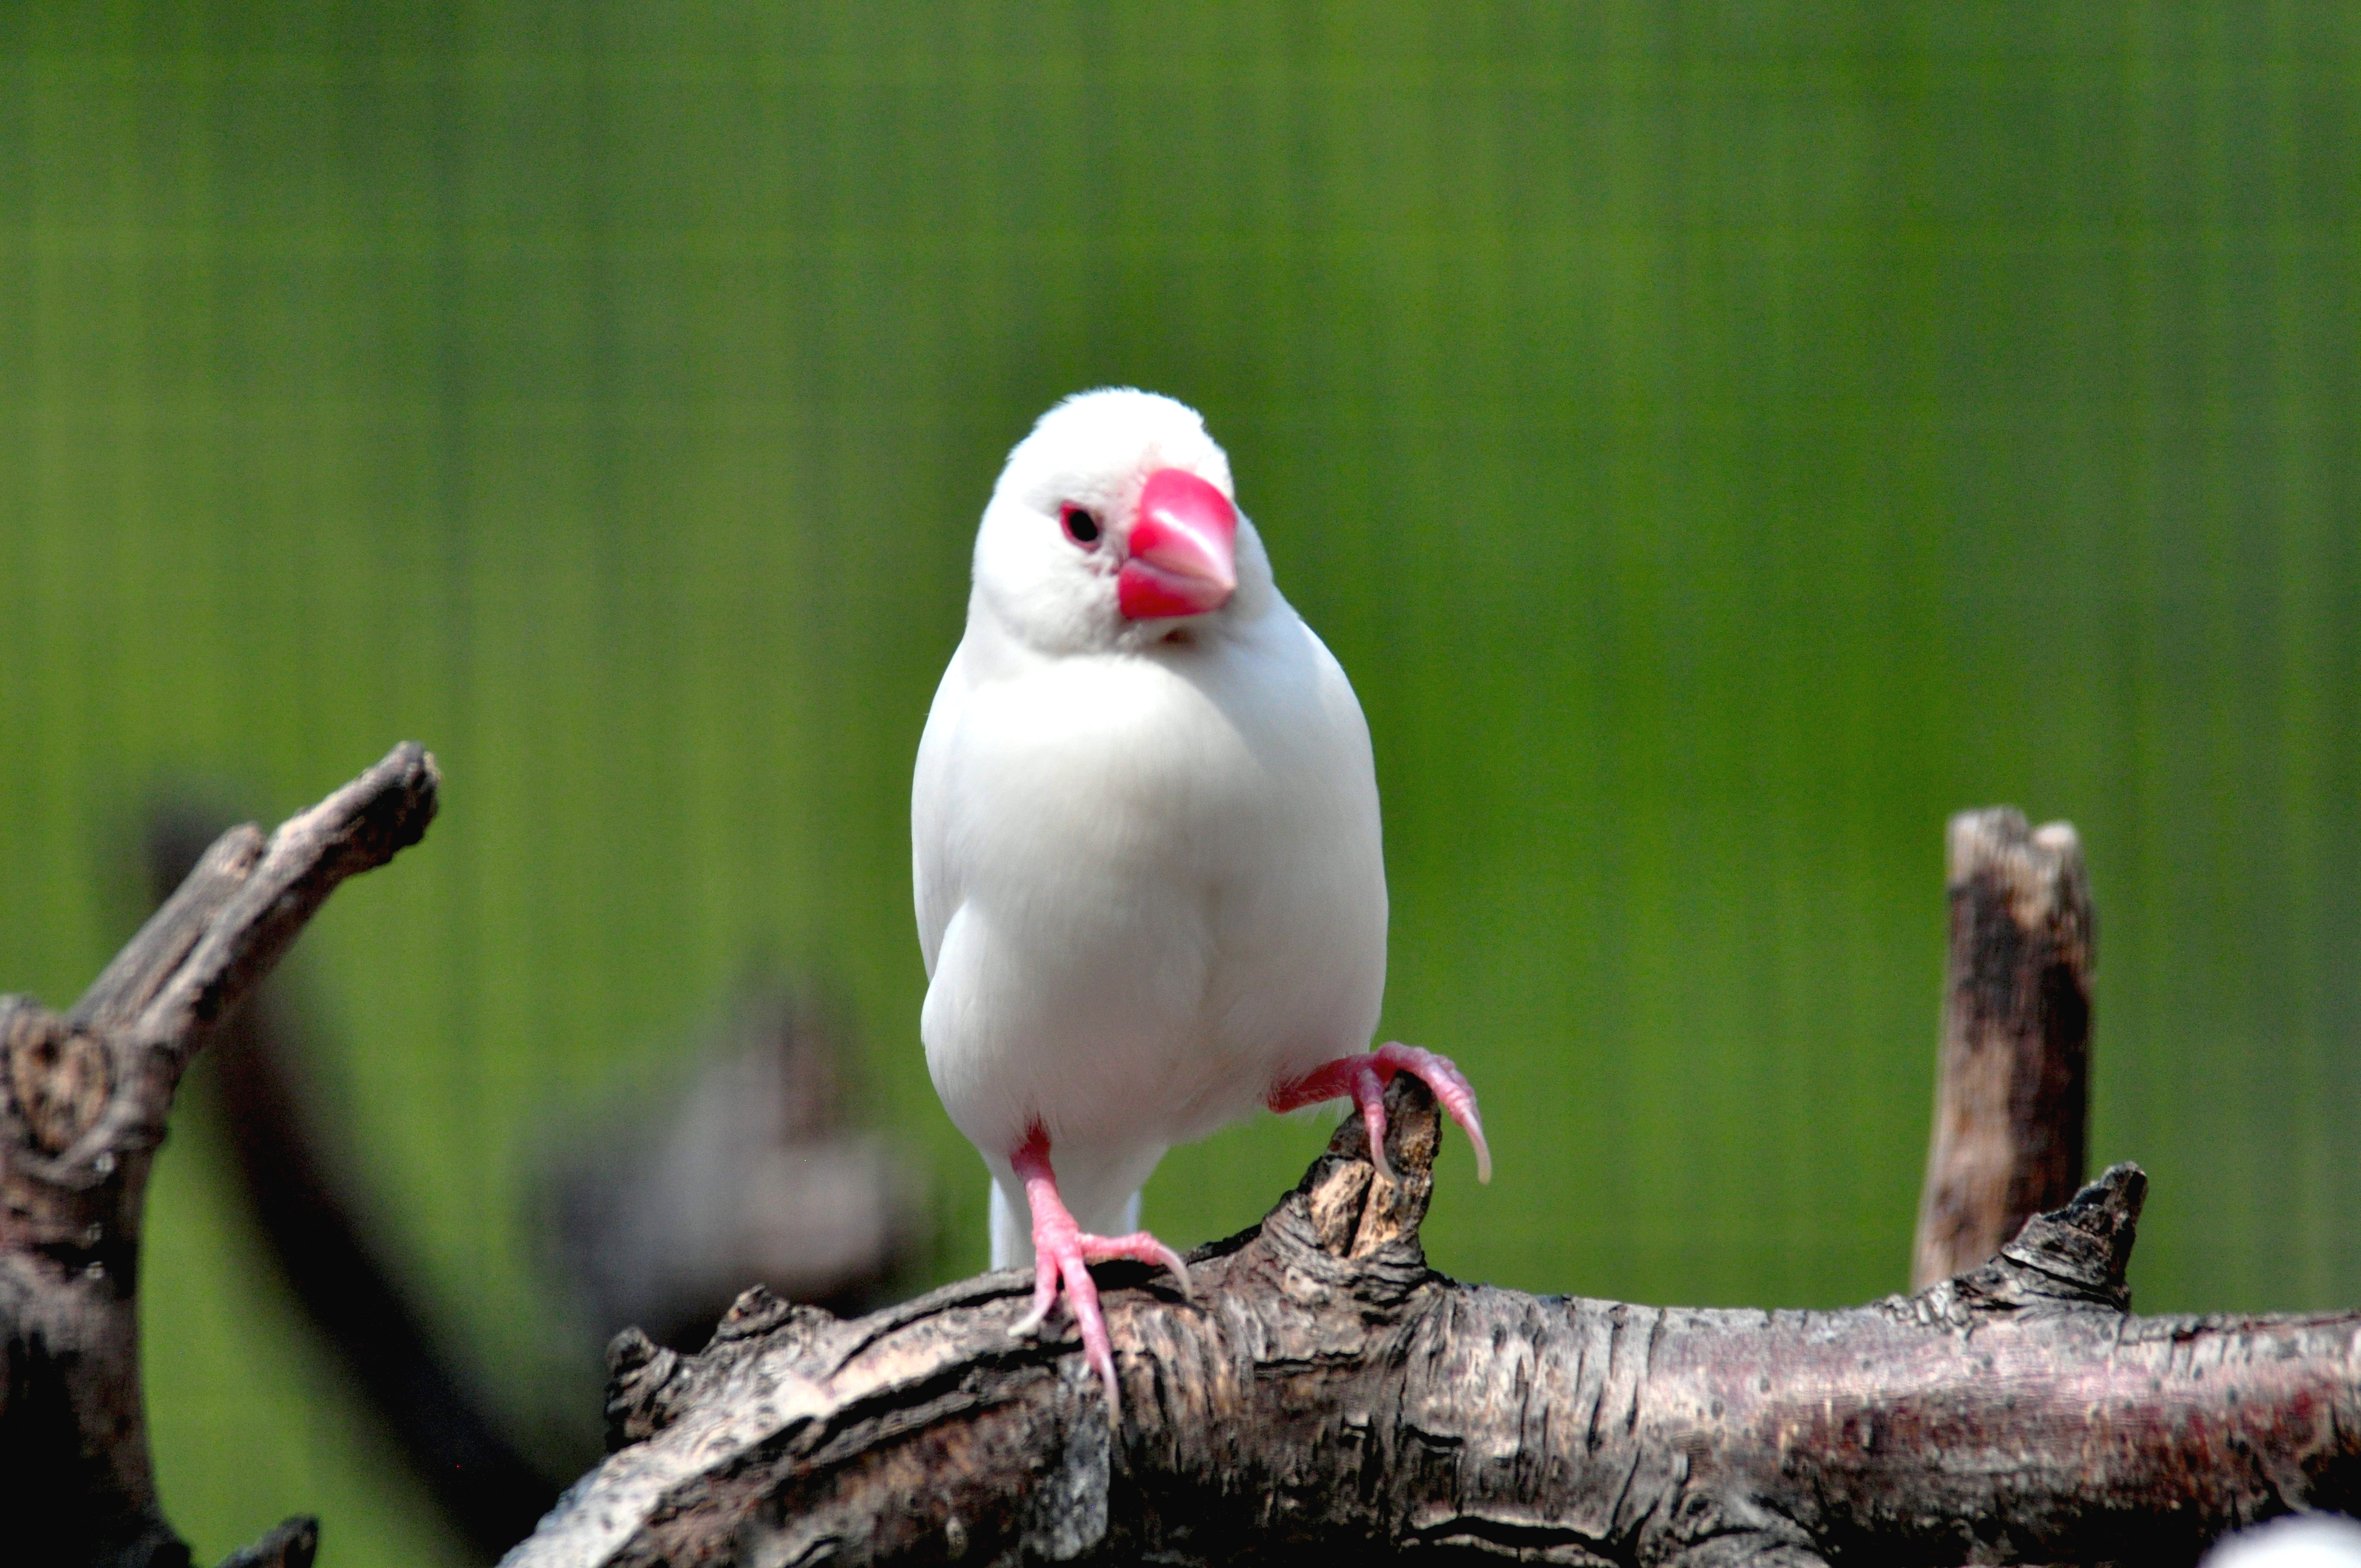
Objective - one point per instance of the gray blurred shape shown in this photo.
(750, 1176)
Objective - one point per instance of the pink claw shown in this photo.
(1062, 1250)
(1364, 1079)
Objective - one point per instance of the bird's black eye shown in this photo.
(1080, 526)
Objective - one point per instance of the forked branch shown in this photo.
(84, 1100)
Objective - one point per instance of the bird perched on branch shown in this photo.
(1150, 888)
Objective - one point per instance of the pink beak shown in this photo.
(1184, 549)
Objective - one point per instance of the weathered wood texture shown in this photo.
(2011, 1091)
(83, 1099)
(1328, 1395)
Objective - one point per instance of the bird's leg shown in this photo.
(1062, 1249)
(1364, 1078)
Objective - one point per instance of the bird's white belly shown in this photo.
(1151, 926)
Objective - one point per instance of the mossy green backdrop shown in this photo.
(1720, 441)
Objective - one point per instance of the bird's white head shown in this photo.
(1114, 527)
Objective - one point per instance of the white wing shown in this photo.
(935, 881)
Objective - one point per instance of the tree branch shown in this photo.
(83, 1102)
(1328, 1392)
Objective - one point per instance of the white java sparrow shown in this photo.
(2291, 1540)
(1151, 888)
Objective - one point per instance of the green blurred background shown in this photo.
(1718, 440)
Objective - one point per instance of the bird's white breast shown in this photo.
(1149, 885)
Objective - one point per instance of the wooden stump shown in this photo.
(2012, 1082)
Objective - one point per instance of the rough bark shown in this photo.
(1326, 1393)
(2013, 1076)
(83, 1099)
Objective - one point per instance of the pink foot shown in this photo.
(1365, 1077)
(1061, 1249)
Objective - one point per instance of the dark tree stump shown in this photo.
(2012, 1093)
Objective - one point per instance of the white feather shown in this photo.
(1146, 855)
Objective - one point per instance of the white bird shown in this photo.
(2291, 1540)
(1151, 893)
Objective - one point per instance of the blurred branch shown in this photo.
(88, 1095)
(665, 1216)
(2012, 1086)
(491, 1492)
(1327, 1393)
(292, 1545)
